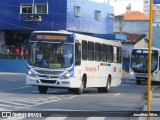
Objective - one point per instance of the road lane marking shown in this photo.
(48, 101)
(63, 118)
(47, 92)
(14, 103)
(14, 88)
(96, 118)
(5, 105)
(117, 94)
(2, 109)
(56, 118)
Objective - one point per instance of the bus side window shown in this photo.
(77, 54)
(84, 50)
(91, 51)
(110, 53)
(159, 63)
(119, 55)
(104, 53)
(115, 54)
(97, 52)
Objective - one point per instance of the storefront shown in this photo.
(13, 50)
(14, 44)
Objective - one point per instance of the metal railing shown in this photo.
(13, 56)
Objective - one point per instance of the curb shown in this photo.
(154, 89)
(145, 102)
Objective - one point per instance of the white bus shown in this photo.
(60, 59)
(139, 64)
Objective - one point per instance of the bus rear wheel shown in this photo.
(42, 89)
(107, 88)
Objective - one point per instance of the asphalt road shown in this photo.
(16, 96)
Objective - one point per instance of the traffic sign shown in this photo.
(156, 1)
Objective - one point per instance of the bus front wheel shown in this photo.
(42, 89)
(138, 82)
(79, 91)
(71, 89)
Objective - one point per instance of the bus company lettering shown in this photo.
(90, 69)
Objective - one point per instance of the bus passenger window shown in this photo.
(104, 53)
(77, 54)
(159, 63)
(119, 55)
(91, 51)
(84, 50)
(110, 53)
(97, 51)
(115, 55)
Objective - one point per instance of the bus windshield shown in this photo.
(139, 61)
(50, 55)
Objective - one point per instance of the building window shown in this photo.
(41, 9)
(77, 11)
(97, 15)
(26, 9)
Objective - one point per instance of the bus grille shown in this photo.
(49, 72)
(49, 81)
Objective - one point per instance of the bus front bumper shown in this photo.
(143, 77)
(62, 83)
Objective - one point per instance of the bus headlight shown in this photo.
(155, 74)
(67, 75)
(31, 74)
(132, 73)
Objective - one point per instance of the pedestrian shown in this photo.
(17, 50)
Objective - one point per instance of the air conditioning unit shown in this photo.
(29, 18)
(35, 18)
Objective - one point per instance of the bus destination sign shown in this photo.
(52, 37)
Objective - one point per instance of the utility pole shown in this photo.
(149, 58)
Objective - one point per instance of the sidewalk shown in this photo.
(155, 103)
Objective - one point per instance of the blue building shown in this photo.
(20, 17)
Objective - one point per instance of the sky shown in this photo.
(120, 5)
